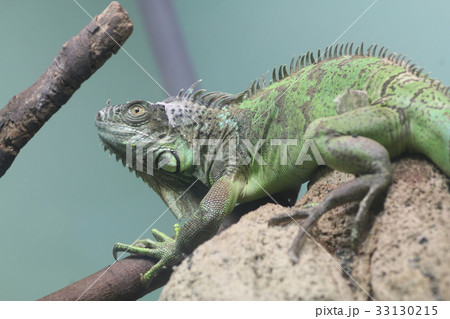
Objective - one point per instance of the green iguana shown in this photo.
(205, 152)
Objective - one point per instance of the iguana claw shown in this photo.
(289, 217)
(162, 249)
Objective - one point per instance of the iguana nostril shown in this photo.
(99, 116)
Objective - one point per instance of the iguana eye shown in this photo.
(136, 110)
(168, 161)
(136, 114)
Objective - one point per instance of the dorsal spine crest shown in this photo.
(221, 99)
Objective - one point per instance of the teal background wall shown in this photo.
(64, 202)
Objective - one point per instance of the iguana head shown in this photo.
(141, 135)
(141, 126)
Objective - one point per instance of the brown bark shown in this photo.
(121, 281)
(77, 60)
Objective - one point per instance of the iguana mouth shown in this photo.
(113, 135)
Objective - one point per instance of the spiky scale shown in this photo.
(346, 49)
(189, 92)
(229, 100)
(369, 50)
(380, 52)
(264, 79)
(406, 65)
(326, 54)
(297, 64)
(307, 60)
(291, 67)
(419, 71)
(280, 72)
(374, 51)
(249, 89)
(213, 101)
(285, 72)
(254, 87)
(274, 74)
(197, 94)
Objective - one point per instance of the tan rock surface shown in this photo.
(405, 255)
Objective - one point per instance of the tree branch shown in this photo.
(121, 281)
(77, 60)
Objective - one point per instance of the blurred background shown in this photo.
(64, 202)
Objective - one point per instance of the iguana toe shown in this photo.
(289, 217)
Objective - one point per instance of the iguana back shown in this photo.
(308, 91)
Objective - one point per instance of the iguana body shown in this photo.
(359, 110)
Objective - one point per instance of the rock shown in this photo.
(405, 255)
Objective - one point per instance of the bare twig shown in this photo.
(77, 60)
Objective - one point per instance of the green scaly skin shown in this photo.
(359, 109)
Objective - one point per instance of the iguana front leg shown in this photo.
(201, 226)
(359, 142)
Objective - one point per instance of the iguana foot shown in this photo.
(364, 188)
(162, 249)
(357, 154)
